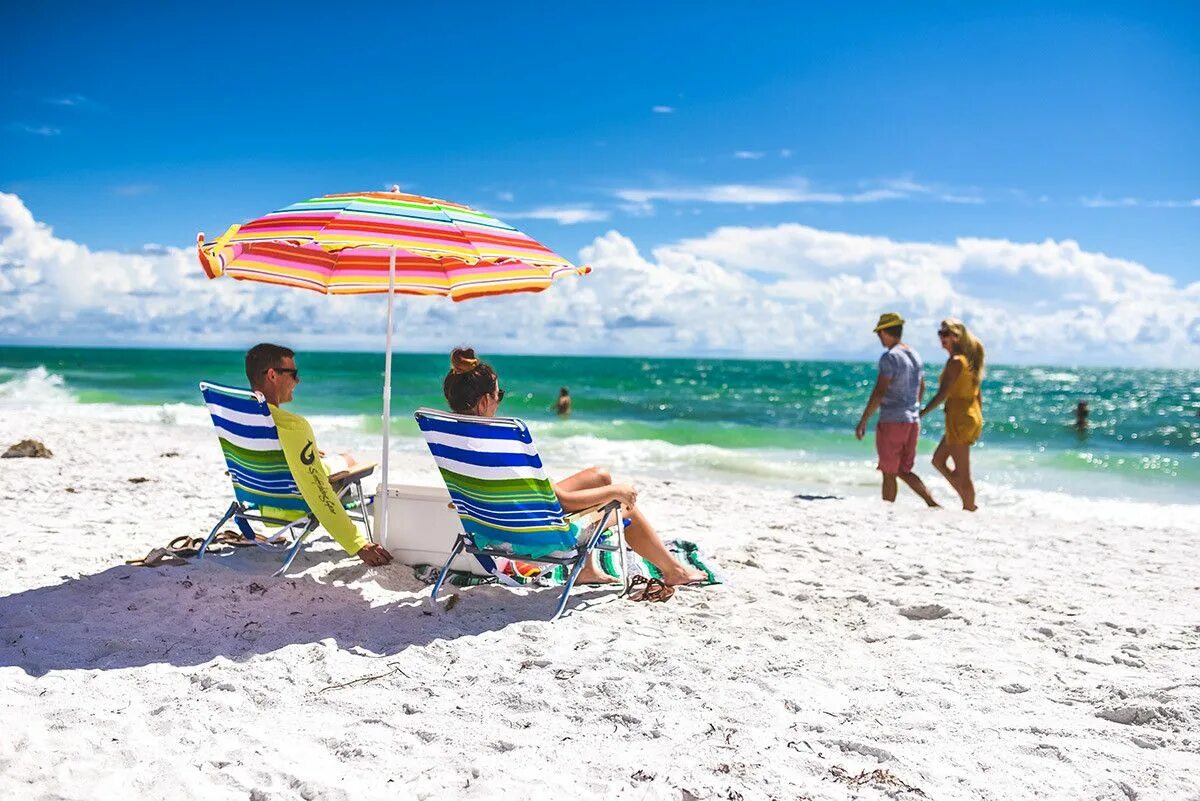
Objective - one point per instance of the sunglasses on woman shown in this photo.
(499, 395)
(943, 333)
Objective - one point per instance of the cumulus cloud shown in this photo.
(663, 109)
(788, 291)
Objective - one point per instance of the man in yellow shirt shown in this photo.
(272, 371)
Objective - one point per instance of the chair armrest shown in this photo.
(600, 507)
(357, 473)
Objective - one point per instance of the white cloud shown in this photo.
(787, 290)
(1101, 202)
(748, 154)
(133, 190)
(563, 215)
(70, 101)
(785, 153)
(37, 130)
(794, 191)
(663, 109)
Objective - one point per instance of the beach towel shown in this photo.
(544, 575)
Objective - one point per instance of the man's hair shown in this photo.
(896, 331)
(263, 357)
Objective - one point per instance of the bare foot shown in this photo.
(590, 575)
(683, 575)
(970, 508)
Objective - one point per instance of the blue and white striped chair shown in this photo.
(505, 502)
(261, 476)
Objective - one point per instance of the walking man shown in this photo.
(898, 391)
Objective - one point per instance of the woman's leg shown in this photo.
(644, 540)
(590, 478)
(940, 455)
(961, 454)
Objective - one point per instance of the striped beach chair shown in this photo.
(505, 502)
(261, 476)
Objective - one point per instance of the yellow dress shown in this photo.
(964, 415)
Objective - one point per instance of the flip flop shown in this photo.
(156, 558)
(232, 538)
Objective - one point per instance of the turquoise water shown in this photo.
(776, 421)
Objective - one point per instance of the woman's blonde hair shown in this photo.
(967, 345)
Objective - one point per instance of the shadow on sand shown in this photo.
(187, 615)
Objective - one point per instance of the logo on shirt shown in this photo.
(306, 454)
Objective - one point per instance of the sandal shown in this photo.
(649, 589)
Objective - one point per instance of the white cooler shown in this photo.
(422, 527)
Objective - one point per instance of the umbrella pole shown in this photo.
(387, 394)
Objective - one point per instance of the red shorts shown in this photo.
(896, 444)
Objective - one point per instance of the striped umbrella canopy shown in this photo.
(377, 242)
(345, 244)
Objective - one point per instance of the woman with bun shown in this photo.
(472, 387)
(959, 388)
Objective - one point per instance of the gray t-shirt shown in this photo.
(901, 403)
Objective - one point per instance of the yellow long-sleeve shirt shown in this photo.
(312, 477)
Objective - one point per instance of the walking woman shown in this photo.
(959, 389)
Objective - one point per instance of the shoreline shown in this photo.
(1059, 667)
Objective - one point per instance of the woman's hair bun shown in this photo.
(462, 360)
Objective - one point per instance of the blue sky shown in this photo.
(923, 123)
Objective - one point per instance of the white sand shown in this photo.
(1068, 665)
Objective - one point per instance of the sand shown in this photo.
(1048, 648)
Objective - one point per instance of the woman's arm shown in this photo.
(574, 500)
(950, 374)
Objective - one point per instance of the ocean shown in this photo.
(785, 424)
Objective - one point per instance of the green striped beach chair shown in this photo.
(505, 502)
(261, 476)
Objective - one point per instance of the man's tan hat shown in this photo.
(887, 320)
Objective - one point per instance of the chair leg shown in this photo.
(576, 569)
(295, 549)
(244, 527)
(362, 508)
(621, 555)
(459, 544)
(233, 507)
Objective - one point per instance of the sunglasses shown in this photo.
(943, 333)
(499, 395)
(292, 371)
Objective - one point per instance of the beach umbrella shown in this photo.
(385, 242)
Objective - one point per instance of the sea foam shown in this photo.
(33, 388)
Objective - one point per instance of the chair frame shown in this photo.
(576, 560)
(344, 483)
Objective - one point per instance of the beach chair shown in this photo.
(505, 502)
(261, 477)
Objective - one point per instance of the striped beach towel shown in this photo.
(551, 575)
